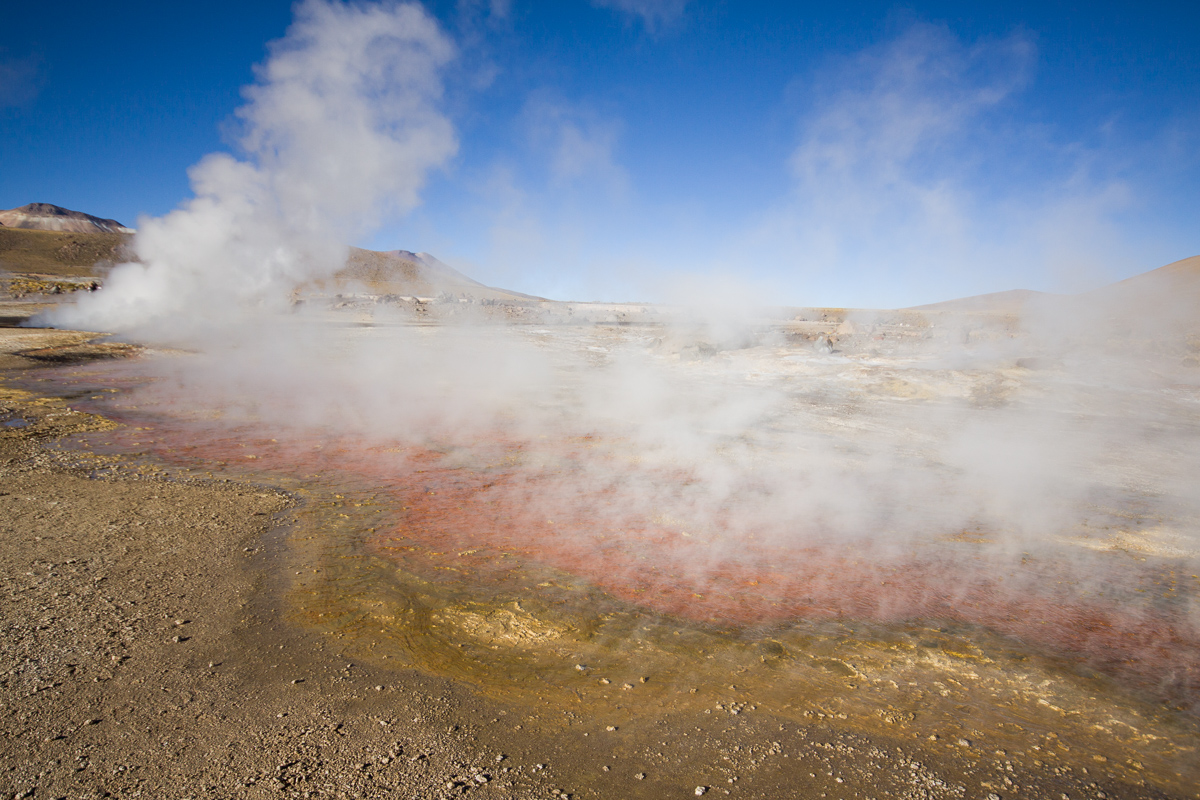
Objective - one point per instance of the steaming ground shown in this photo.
(620, 551)
(968, 536)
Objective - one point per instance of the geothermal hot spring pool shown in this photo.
(897, 537)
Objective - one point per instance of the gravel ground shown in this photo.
(144, 654)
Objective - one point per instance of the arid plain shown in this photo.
(605, 550)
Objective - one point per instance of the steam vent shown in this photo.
(600, 400)
(937, 535)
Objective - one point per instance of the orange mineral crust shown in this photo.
(585, 507)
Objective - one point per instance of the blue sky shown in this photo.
(875, 155)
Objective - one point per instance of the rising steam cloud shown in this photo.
(890, 450)
(341, 127)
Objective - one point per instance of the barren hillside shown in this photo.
(415, 274)
(59, 253)
(49, 217)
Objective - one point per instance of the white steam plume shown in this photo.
(992, 455)
(342, 123)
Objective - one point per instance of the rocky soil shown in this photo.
(145, 653)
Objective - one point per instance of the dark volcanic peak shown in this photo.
(49, 217)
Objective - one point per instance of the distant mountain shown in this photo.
(1154, 302)
(1010, 302)
(27, 250)
(419, 274)
(47, 217)
(1177, 282)
(1176, 286)
(434, 269)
